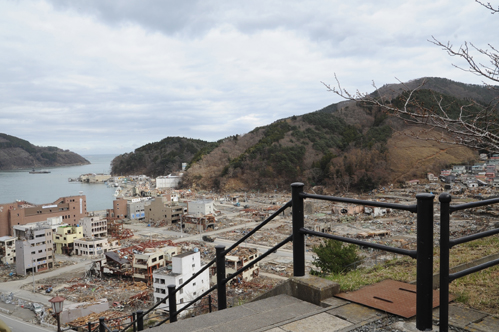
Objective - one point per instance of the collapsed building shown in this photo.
(237, 259)
(137, 262)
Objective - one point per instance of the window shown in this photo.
(194, 284)
(181, 300)
(180, 281)
(181, 291)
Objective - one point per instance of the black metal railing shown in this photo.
(446, 244)
(423, 254)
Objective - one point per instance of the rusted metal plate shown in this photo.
(395, 297)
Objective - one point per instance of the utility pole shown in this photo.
(34, 267)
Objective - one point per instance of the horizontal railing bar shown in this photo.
(268, 252)
(410, 253)
(454, 276)
(453, 208)
(472, 237)
(263, 223)
(411, 208)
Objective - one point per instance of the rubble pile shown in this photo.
(130, 294)
(114, 320)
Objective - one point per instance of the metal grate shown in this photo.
(395, 297)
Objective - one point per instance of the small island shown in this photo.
(16, 153)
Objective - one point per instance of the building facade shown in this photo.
(34, 251)
(91, 247)
(64, 238)
(71, 209)
(158, 209)
(135, 209)
(168, 181)
(7, 249)
(200, 207)
(144, 264)
(94, 226)
(182, 268)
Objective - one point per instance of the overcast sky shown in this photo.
(108, 76)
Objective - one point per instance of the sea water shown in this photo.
(47, 188)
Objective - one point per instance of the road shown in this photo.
(15, 286)
(20, 326)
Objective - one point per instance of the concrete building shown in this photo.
(64, 238)
(144, 264)
(91, 247)
(237, 259)
(182, 268)
(119, 210)
(71, 209)
(7, 249)
(168, 181)
(94, 226)
(200, 207)
(161, 209)
(135, 209)
(95, 178)
(34, 251)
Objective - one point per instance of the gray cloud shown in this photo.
(109, 76)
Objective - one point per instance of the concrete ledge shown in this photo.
(311, 289)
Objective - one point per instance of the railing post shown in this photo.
(134, 318)
(444, 199)
(89, 324)
(221, 289)
(172, 303)
(298, 237)
(140, 320)
(424, 284)
(102, 325)
(209, 303)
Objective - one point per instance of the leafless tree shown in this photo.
(476, 126)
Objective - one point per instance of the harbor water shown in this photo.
(46, 188)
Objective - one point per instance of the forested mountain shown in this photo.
(16, 153)
(160, 158)
(344, 146)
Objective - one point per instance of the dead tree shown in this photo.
(475, 126)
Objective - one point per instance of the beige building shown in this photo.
(161, 209)
(91, 247)
(34, 251)
(64, 238)
(7, 249)
(144, 264)
(95, 178)
(94, 227)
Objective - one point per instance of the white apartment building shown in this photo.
(183, 267)
(96, 246)
(168, 181)
(34, 251)
(200, 208)
(94, 226)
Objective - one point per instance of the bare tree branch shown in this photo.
(489, 7)
(475, 126)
